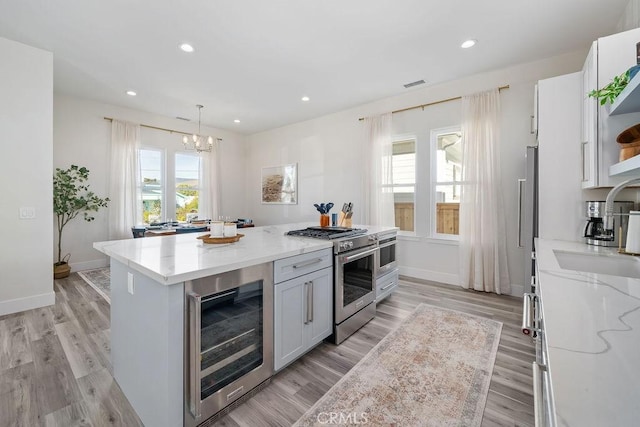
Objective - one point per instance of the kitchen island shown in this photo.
(592, 329)
(149, 278)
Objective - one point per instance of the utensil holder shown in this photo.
(324, 220)
(343, 221)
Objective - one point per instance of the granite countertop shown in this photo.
(175, 258)
(592, 326)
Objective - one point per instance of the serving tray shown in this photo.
(208, 239)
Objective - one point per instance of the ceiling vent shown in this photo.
(416, 83)
(183, 118)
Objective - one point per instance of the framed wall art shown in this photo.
(280, 184)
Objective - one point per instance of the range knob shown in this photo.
(373, 237)
(350, 244)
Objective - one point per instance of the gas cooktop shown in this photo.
(328, 233)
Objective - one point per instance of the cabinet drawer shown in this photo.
(386, 284)
(295, 266)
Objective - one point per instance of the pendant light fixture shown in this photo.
(198, 142)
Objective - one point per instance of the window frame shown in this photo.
(402, 138)
(163, 180)
(199, 188)
(434, 183)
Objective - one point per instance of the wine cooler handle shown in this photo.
(195, 301)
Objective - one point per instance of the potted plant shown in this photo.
(71, 196)
(611, 91)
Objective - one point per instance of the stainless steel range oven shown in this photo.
(355, 276)
(229, 339)
(387, 257)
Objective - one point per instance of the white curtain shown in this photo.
(125, 201)
(483, 253)
(378, 206)
(209, 203)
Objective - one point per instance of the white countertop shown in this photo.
(176, 258)
(592, 326)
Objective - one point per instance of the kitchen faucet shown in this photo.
(608, 232)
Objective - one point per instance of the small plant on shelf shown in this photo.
(610, 92)
(71, 196)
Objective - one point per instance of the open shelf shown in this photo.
(629, 99)
(628, 167)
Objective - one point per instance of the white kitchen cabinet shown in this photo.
(589, 132)
(610, 56)
(560, 206)
(303, 315)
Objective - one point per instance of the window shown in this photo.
(151, 166)
(446, 151)
(187, 185)
(403, 174)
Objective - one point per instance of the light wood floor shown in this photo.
(55, 368)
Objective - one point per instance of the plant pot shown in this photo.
(61, 270)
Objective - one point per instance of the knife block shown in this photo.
(343, 221)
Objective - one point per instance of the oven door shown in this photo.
(387, 255)
(229, 334)
(355, 274)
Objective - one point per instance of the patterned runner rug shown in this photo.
(100, 280)
(433, 370)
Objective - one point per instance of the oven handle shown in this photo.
(359, 255)
(386, 244)
(195, 323)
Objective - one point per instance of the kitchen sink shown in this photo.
(611, 264)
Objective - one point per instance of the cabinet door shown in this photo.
(616, 54)
(534, 117)
(589, 132)
(289, 308)
(320, 325)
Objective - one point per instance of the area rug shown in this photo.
(433, 370)
(100, 280)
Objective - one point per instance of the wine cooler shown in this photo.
(229, 334)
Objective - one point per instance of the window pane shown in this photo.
(151, 185)
(187, 185)
(404, 178)
(447, 209)
(449, 157)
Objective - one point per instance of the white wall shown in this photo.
(330, 157)
(81, 136)
(26, 105)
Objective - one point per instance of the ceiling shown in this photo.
(255, 59)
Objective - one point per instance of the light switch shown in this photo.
(27, 213)
(130, 282)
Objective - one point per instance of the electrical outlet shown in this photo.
(130, 283)
(27, 213)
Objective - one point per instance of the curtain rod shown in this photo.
(110, 119)
(432, 103)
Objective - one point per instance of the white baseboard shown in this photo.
(434, 276)
(448, 278)
(517, 290)
(27, 303)
(89, 265)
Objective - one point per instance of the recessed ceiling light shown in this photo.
(131, 93)
(236, 121)
(468, 43)
(305, 98)
(186, 47)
